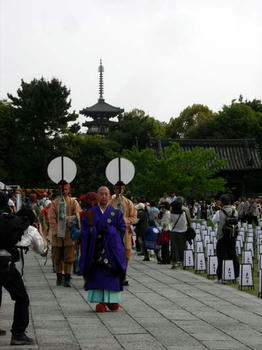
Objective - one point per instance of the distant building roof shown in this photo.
(240, 154)
(101, 109)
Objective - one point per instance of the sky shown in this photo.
(159, 55)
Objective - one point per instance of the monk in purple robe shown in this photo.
(103, 260)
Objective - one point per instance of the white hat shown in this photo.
(140, 206)
(47, 202)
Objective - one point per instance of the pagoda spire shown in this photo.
(101, 82)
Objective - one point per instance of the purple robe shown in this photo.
(112, 227)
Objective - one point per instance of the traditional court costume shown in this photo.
(103, 261)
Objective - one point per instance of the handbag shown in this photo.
(190, 234)
(163, 238)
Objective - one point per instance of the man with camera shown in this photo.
(17, 232)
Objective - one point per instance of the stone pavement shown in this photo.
(161, 309)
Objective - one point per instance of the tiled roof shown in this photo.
(240, 154)
(101, 109)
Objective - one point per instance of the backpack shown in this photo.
(12, 228)
(230, 227)
(75, 229)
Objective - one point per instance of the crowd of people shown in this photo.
(92, 235)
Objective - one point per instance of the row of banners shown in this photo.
(201, 255)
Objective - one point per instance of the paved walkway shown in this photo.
(162, 309)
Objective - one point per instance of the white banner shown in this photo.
(259, 262)
(249, 246)
(228, 272)
(247, 257)
(240, 238)
(246, 276)
(238, 247)
(242, 234)
(206, 240)
(200, 264)
(199, 247)
(259, 240)
(213, 234)
(250, 239)
(260, 284)
(212, 265)
(188, 258)
(204, 233)
(209, 249)
(198, 238)
(190, 246)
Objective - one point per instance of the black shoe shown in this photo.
(59, 279)
(125, 283)
(146, 259)
(21, 339)
(2, 332)
(67, 280)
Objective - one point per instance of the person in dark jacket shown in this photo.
(226, 245)
(150, 240)
(11, 230)
(140, 226)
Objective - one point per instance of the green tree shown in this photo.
(39, 113)
(189, 119)
(191, 173)
(7, 140)
(255, 104)
(237, 121)
(41, 108)
(136, 128)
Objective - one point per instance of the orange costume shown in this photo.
(63, 248)
(130, 215)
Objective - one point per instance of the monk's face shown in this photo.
(103, 196)
(116, 189)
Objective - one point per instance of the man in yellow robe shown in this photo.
(119, 201)
(61, 214)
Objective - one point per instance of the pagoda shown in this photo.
(101, 112)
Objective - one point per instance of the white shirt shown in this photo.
(11, 202)
(181, 225)
(165, 221)
(32, 238)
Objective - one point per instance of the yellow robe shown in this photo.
(130, 215)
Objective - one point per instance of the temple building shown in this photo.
(101, 112)
(243, 158)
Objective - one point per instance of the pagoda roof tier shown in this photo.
(101, 109)
(99, 122)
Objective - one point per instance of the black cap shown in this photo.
(119, 183)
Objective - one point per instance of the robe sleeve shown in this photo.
(52, 217)
(131, 216)
(121, 226)
(75, 209)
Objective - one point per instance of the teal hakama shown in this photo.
(103, 296)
